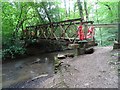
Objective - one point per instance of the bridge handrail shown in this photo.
(62, 23)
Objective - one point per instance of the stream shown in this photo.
(22, 70)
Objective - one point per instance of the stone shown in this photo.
(37, 61)
(116, 45)
(81, 51)
(86, 84)
(89, 51)
(70, 55)
(60, 56)
(73, 46)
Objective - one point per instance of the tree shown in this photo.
(65, 8)
(80, 8)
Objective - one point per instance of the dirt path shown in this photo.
(97, 70)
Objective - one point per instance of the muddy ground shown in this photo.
(97, 70)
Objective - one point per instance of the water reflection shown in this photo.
(17, 71)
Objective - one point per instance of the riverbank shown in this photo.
(16, 73)
(38, 47)
(97, 70)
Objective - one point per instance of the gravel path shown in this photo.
(97, 70)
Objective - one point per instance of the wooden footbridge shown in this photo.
(64, 30)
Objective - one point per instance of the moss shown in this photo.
(57, 64)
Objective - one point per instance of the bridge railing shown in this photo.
(56, 30)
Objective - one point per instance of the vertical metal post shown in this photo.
(101, 36)
(85, 29)
(36, 32)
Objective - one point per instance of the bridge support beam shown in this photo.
(119, 22)
(117, 43)
(119, 33)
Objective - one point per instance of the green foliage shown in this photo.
(108, 36)
(107, 12)
(57, 63)
(12, 52)
(17, 15)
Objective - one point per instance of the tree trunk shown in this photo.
(39, 16)
(46, 12)
(74, 9)
(17, 26)
(69, 8)
(59, 19)
(65, 8)
(80, 8)
(86, 12)
(86, 17)
(99, 28)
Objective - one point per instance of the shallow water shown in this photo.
(24, 69)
